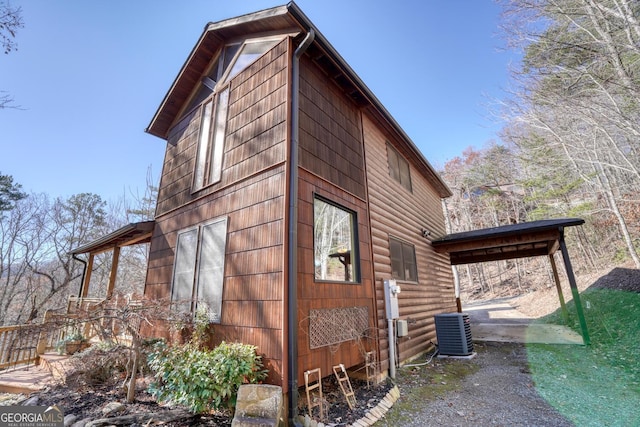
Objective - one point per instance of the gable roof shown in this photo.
(287, 18)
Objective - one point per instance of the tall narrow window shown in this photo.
(398, 167)
(215, 172)
(230, 62)
(198, 271)
(335, 249)
(203, 145)
(403, 260)
(184, 269)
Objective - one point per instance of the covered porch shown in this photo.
(25, 344)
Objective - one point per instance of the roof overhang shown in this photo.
(288, 18)
(130, 234)
(535, 238)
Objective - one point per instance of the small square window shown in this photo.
(403, 260)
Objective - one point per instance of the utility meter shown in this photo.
(391, 291)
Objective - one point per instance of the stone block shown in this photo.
(258, 405)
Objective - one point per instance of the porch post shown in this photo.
(574, 289)
(114, 271)
(87, 277)
(556, 277)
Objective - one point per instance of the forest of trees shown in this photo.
(37, 272)
(570, 142)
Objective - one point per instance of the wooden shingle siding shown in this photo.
(314, 294)
(330, 131)
(255, 134)
(252, 306)
(402, 214)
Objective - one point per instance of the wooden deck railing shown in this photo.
(18, 345)
(23, 344)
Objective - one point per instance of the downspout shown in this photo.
(292, 281)
(84, 272)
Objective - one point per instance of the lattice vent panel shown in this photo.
(336, 325)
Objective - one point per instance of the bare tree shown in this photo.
(577, 98)
(10, 23)
(37, 236)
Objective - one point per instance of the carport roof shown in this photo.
(522, 240)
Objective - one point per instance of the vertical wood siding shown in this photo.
(255, 134)
(397, 212)
(314, 294)
(252, 307)
(251, 194)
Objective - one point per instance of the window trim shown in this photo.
(403, 244)
(355, 242)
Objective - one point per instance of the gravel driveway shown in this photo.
(499, 393)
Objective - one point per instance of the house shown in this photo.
(288, 196)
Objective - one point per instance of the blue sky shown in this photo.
(89, 75)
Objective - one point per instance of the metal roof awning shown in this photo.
(535, 238)
(130, 234)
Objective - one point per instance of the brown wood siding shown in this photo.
(327, 295)
(402, 214)
(330, 131)
(252, 307)
(255, 134)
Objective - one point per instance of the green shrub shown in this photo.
(203, 379)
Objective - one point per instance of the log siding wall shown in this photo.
(402, 214)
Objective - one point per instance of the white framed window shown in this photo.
(198, 270)
(213, 126)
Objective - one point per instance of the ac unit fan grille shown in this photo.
(453, 331)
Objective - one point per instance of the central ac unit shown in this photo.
(453, 331)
